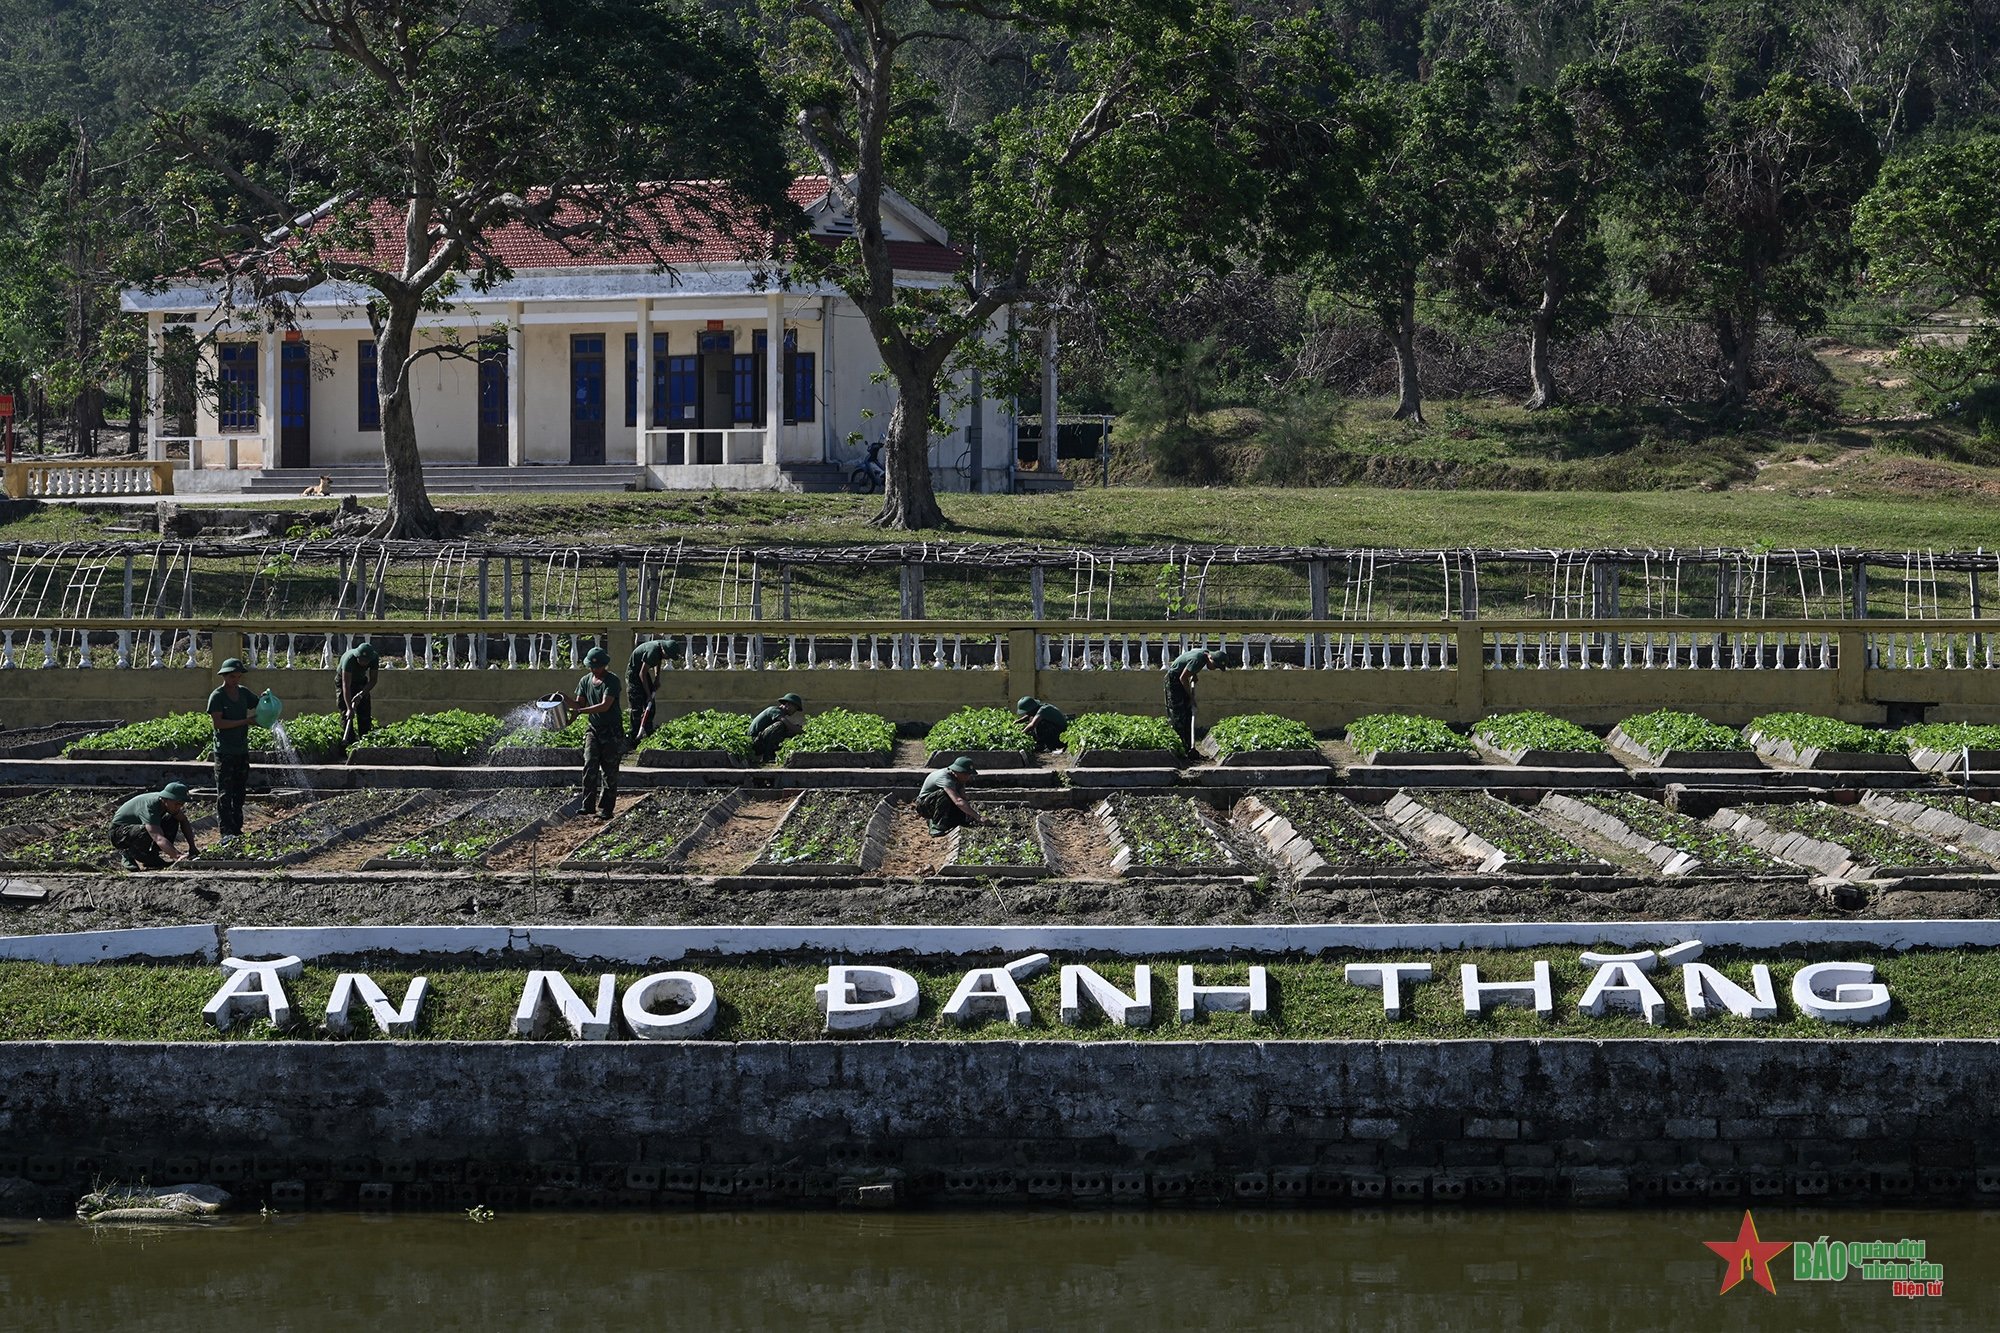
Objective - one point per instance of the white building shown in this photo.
(580, 361)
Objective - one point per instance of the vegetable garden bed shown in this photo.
(707, 739)
(838, 738)
(1671, 739)
(450, 737)
(1824, 744)
(1163, 835)
(313, 829)
(175, 737)
(467, 838)
(1391, 740)
(68, 830)
(1122, 740)
(539, 747)
(1951, 747)
(828, 833)
(1538, 740)
(1837, 843)
(1013, 842)
(1497, 835)
(656, 833)
(1319, 835)
(46, 742)
(989, 737)
(1954, 819)
(1675, 843)
(1261, 740)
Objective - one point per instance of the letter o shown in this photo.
(692, 991)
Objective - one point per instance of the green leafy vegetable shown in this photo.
(837, 731)
(1868, 840)
(185, 732)
(706, 730)
(1806, 731)
(541, 738)
(979, 729)
(1532, 730)
(1341, 834)
(1712, 847)
(1166, 831)
(1667, 730)
(1120, 731)
(1007, 838)
(1259, 731)
(454, 733)
(1403, 733)
(1514, 831)
(1947, 736)
(824, 827)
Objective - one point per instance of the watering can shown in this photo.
(554, 712)
(269, 709)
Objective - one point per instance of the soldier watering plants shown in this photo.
(642, 683)
(942, 800)
(145, 828)
(1045, 722)
(354, 692)
(769, 728)
(232, 709)
(604, 743)
(1181, 673)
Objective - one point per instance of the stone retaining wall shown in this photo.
(518, 1125)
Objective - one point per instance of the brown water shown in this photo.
(1386, 1271)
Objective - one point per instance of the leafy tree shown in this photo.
(1141, 107)
(411, 131)
(1768, 236)
(1431, 180)
(1603, 133)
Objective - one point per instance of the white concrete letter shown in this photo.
(389, 1020)
(1389, 979)
(253, 990)
(989, 992)
(1706, 988)
(857, 999)
(692, 991)
(1253, 999)
(1538, 994)
(551, 990)
(1125, 1011)
(1840, 992)
(1623, 985)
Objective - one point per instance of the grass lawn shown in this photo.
(1937, 994)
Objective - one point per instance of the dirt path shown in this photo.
(728, 849)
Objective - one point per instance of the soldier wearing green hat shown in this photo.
(145, 827)
(604, 743)
(1045, 722)
(232, 709)
(642, 682)
(941, 799)
(1181, 673)
(769, 728)
(354, 692)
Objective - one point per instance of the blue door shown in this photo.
(586, 398)
(493, 403)
(295, 406)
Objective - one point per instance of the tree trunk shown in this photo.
(1409, 392)
(1541, 345)
(1736, 338)
(135, 396)
(410, 514)
(909, 500)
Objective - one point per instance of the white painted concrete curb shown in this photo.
(114, 946)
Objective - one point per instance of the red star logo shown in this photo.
(1748, 1256)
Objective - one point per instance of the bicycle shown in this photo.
(868, 476)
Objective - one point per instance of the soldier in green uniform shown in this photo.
(1045, 722)
(604, 743)
(769, 729)
(941, 799)
(230, 708)
(1180, 687)
(145, 827)
(642, 682)
(354, 692)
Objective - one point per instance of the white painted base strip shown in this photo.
(650, 944)
(115, 946)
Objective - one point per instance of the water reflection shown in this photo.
(1380, 1270)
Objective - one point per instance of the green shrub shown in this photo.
(1259, 731)
(1120, 731)
(569, 737)
(1403, 733)
(314, 736)
(454, 733)
(176, 731)
(1670, 730)
(1806, 731)
(1532, 730)
(706, 730)
(1947, 736)
(837, 731)
(979, 729)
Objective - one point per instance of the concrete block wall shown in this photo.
(1154, 1123)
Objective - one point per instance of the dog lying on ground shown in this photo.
(324, 486)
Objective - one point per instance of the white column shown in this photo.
(517, 396)
(268, 398)
(642, 383)
(1048, 456)
(156, 349)
(774, 375)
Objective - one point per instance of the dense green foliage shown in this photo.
(570, 737)
(1403, 733)
(186, 732)
(454, 733)
(1947, 736)
(1259, 731)
(706, 730)
(1533, 730)
(1807, 731)
(839, 731)
(1667, 730)
(979, 729)
(1119, 731)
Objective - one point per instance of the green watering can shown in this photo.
(269, 709)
